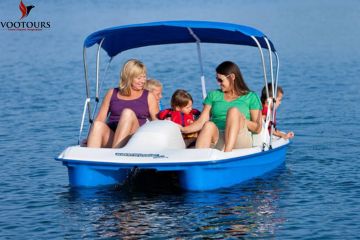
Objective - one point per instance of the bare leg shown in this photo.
(100, 135)
(208, 135)
(235, 121)
(128, 124)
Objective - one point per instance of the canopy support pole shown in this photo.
(87, 101)
(276, 83)
(97, 77)
(203, 87)
(97, 70)
(274, 91)
(263, 64)
(100, 87)
(265, 144)
(271, 67)
(277, 71)
(83, 119)
(87, 85)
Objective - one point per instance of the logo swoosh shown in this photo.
(23, 10)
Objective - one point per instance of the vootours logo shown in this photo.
(25, 25)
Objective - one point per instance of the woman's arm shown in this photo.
(104, 109)
(153, 106)
(199, 123)
(255, 124)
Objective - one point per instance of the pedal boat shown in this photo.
(158, 145)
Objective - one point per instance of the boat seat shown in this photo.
(157, 135)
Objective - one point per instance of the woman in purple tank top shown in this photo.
(129, 106)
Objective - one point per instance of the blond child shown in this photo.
(155, 87)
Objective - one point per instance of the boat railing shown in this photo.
(87, 105)
(87, 101)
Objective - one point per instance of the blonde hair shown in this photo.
(131, 69)
(151, 84)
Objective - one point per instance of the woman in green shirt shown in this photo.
(230, 114)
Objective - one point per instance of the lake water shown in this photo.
(315, 195)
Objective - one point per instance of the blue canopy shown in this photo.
(121, 38)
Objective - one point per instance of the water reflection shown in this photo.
(250, 209)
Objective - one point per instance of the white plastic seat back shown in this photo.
(157, 135)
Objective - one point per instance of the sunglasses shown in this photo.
(221, 80)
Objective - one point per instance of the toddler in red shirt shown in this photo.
(279, 96)
(181, 112)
